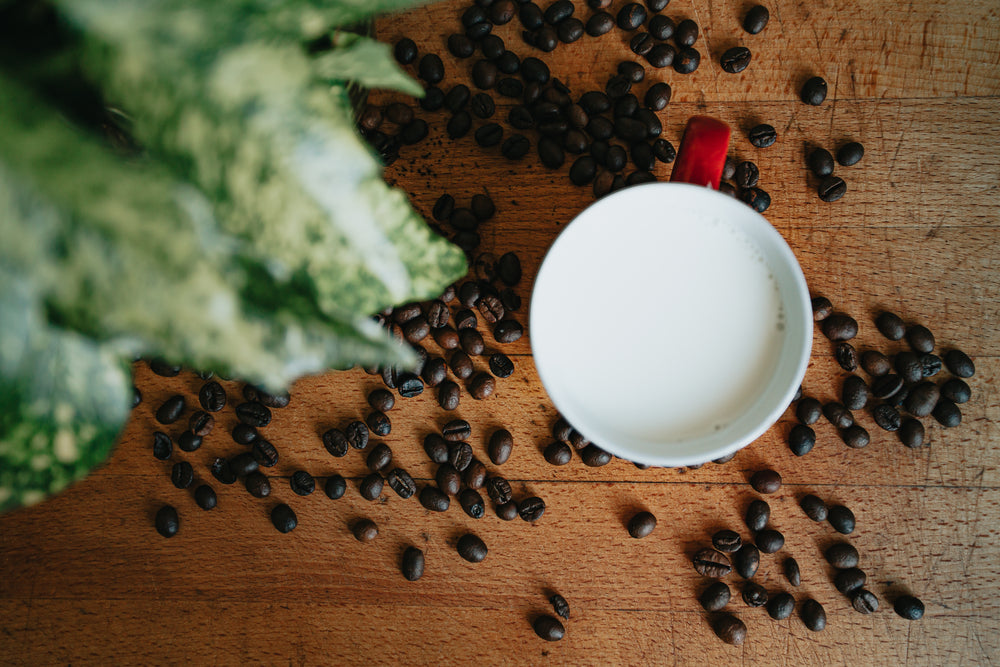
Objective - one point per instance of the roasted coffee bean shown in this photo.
(163, 447)
(842, 520)
(550, 153)
(405, 51)
(864, 601)
(769, 541)
(434, 500)
(303, 483)
(253, 414)
(814, 507)
(371, 119)
(813, 615)
(956, 391)
(412, 565)
(449, 394)
(838, 415)
(658, 96)
(244, 464)
(222, 472)
(483, 106)
(641, 43)
(501, 365)
(533, 69)
(357, 434)
(848, 580)
(838, 327)
(401, 482)
(664, 55)
(631, 16)
(947, 413)
(911, 433)
(820, 162)
(747, 174)
(558, 454)
(617, 87)
(642, 156)
(600, 128)
(808, 410)
(890, 326)
(642, 525)
(727, 541)
(603, 183)
(471, 341)
(460, 45)
(756, 19)
(531, 16)
(616, 158)
(500, 445)
(379, 457)
(258, 485)
(499, 490)
(594, 457)
(909, 607)
(886, 386)
(492, 47)
(887, 417)
(507, 511)
(730, 629)
(433, 98)
(712, 563)
(544, 39)
(599, 24)
(182, 474)
(576, 439)
(416, 329)
(430, 68)
(171, 410)
(531, 509)
(814, 91)
(205, 497)
(558, 11)
(908, 365)
(583, 170)
(548, 628)
(855, 436)
(822, 308)
(459, 455)
(365, 530)
(736, 59)
(379, 423)
(456, 430)
(847, 356)
(448, 479)
(763, 135)
(460, 364)
(188, 441)
(958, 362)
(459, 125)
(446, 337)
(559, 605)
(922, 399)
(854, 393)
(336, 442)
(662, 27)
(832, 188)
(875, 363)
(488, 135)
(781, 606)
(850, 154)
(570, 30)
(792, 572)
(629, 129)
(474, 475)
(389, 373)
(444, 206)
(930, 365)
(509, 269)
(765, 481)
(381, 400)
(398, 113)
(632, 71)
(758, 513)
(515, 147)
(212, 396)
(482, 385)
(758, 199)
(436, 448)
(715, 597)
(471, 548)
(371, 486)
(754, 595)
(664, 151)
(842, 556)
(801, 439)
(283, 518)
(163, 368)
(507, 331)
(167, 522)
(472, 503)
(640, 177)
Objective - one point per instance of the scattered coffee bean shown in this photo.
(822, 308)
(959, 363)
(501, 365)
(171, 410)
(405, 51)
(371, 486)
(471, 548)
(763, 135)
(754, 595)
(664, 55)
(182, 474)
(594, 457)
(956, 391)
(253, 414)
(664, 151)
(335, 441)
(283, 518)
(850, 579)
(842, 519)
(549, 628)
(472, 503)
(886, 386)
(687, 60)
(559, 605)
(222, 472)
(808, 410)
(558, 454)
(456, 430)
(854, 393)
(449, 394)
(922, 399)
(730, 629)
(765, 481)
(482, 385)
(412, 565)
(531, 509)
(641, 525)
(379, 423)
(212, 396)
(631, 16)
(715, 597)
(864, 601)
(832, 188)
(792, 572)
(379, 457)
(890, 325)
(658, 96)
(258, 485)
(747, 174)
(727, 541)
(875, 363)
(758, 514)
(930, 365)
(850, 154)
(381, 400)
(887, 417)
(947, 413)
(461, 365)
(712, 563)
(814, 91)
(757, 199)
(365, 530)
(507, 511)
(459, 455)
(434, 499)
(909, 607)
(838, 415)
(847, 356)
(188, 441)
(357, 434)
(167, 522)
(641, 43)
(746, 561)
(474, 475)
(243, 464)
(838, 327)
(302, 483)
(401, 482)
(820, 162)
(205, 497)
(856, 436)
(814, 507)
(507, 331)
(911, 433)
(163, 447)
(920, 338)
(801, 439)
(813, 615)
(736, 59)
(433, 98)
(780, 606)
(599, 24)
(842, 556)
(756, 19)
(769, 541)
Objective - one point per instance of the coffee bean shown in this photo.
(558, 454)
(371, 119)
(641, 525)
(398, 113)
(730, 629)
(531, 509)
(459, 455)
(763, 135)
(401, 482)
(365, 530)
(412, 565)
(947, 413)
(167, 522)
(687, 60)
(887, 417)
(662, 27)
(434, 500)
(533, 69)
(258, 485)
(558, 11)
(792, 572)
(182, 474)
(583, 170)
(499, 490)
(244, 464)
(474, 475)
(838, 415)
(488, 135)
(814, 91)
(832, 188)
(850, 579)
(847, 356)
(747, 174)
(507, 511)
(875, 363)
(253, 414)
(956, 391)
(801, 439)
(890, 325)
(736, 59)
(664, 151)
(336, 442)
(756, 19)
(507, 331)
(356, 434)
(492, 47)
(641, 43)
(456, 430)
(850, 154)
(631, 16)
(838, 327)
(515, 147)
(222, 472)
(448, 395)
(658, 96)
(594, 457)
(855, 436)
(842, 519)
(864, 601)
(188, 441)
(759, 513)
(171, 410)
(205, 497)
(379, 423)
(460, 45)
(550, 153)
(842, 556)
(754, 595)
(433, 98)
(559, 605)
(335, 487)
(430, 68)
(922, 399)
(686, 33)
(909, 607)
(212, 397)
(163, 447)
(715, 597)
(769, 541)
(780, 606)
(471, 548)
(727, 541)
(813, 615)
(930, 365)
(501, 365)
(548, 628)
(911, 433)
(629, 69)
(283, 518)
(822, 308)
(599, 24)
(808, 410)
(482, 386)
(757, 199)
(712, 563)
(854, 393)
(765, 481)
(570, 30)
(381, 400)
(959, 363)
(379, 457)
(472, 503)
(920, 338)
(820, 162)
(371, 486)
(814, 507)
(303, 484)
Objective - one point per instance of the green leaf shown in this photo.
(364, 61)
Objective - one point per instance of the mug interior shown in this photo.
(589, 252)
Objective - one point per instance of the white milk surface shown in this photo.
(660, 329)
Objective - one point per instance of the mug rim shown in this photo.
(780, 252)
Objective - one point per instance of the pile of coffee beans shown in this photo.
(821, 164)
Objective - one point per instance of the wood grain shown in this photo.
(86, 580)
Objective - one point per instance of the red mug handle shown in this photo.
(702, 154)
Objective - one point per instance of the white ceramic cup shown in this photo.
(671, 324)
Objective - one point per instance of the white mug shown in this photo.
(671, 324)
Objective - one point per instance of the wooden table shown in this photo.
(85, 579)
